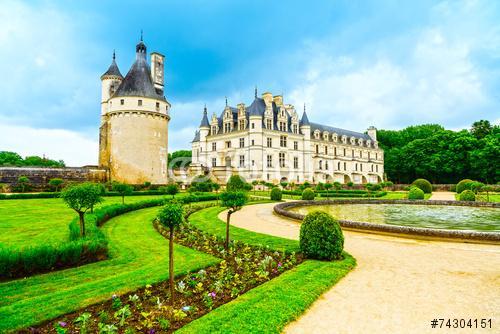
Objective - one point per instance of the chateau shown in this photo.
(267, 141)
(134, 121)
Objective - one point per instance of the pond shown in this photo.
(429, 216)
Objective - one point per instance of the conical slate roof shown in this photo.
(113, 69)
(204, 120)
(304, 120)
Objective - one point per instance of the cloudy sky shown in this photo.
(354, 63)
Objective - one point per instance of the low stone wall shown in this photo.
(40, 176)
(466, 236)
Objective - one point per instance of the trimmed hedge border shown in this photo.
(56, 194)
(467, 236)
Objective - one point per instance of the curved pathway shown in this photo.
(399, 285)
(138, 256)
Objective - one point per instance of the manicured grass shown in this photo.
(29, 222)
(208, 221)
(138, 256)
(271, 306)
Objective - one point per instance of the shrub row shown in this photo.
(56, 194)
(22, 262)
(354, 195)
(341, 191)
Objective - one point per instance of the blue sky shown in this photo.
(385, 63)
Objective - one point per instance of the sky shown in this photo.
(390, 64)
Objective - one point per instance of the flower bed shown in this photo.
(147, 310)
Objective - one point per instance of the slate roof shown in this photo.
(305, 119)
(338, 131)
(204, 120)
(113, 69)
(138, 81)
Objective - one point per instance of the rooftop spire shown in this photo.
(204, 120)
(255, 91)
(114, 55)
(141, 35)
(305, 119)
(226, 100)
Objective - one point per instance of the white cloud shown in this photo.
(57, 144)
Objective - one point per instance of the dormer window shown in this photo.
(269, 124)
(316, 134)
(360, 142)
(344, 139)
(353, 140)
(325, 135)
(122, 102)
(139, 103)
(157, 106)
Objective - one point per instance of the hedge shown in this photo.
(56, 194)
(26, 261)
(354, 195)
(342, 191)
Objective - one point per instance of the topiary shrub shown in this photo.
(463, 185)
(423, 185)
(453, 187)
(276, 194)
(416, 193)
(467, 195)
(321, 237)
(308, 194)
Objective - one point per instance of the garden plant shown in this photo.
(234, 201)
(321, 237)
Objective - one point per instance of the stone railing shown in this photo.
(466, 236)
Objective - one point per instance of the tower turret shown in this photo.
(110, 81)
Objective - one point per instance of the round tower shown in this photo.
(110, 81)
(134, 147)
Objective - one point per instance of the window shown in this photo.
(282, 126)
(253, 142)
(355, 166)
(214, 146)
(376, 168)
(139, 102)
(122, 101)
(335, 151)
(214, 130)
(345, 166)
(361, 167)
(269, 142)
(295, 128)
(253, 162)
(298, 178)
(241, 124)
(369, 157)
(371, 167)
(227, 127)
(321, 164)
(352, 153)
(326, 149)
(295, 162)
(269, 163)
(253, 125)
(157, 106)
(338, 166)
(268, 176)
(376, 156)
(282, 159)
(242, 161)
(326, 165)
(295, 145)
(214, 162)
(344, 152)
(361, 154)
(242, 142)
(317, 149)
(283, 141)
(228, 144)
(269, 124)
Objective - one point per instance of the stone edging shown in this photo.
(471, 236)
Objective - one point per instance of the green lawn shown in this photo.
(269, 307)
(139, 256)
(30, 222)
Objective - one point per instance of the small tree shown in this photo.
(56, 183)
(147, 184)
(171, 216)
(23, 182)
(123, 189)
(327, 187)
(81, 198)
(233, 200)
(172, 189)
(254, 184)
(487, 189)
(350, 184)
(284, 184)
(237, 183)
(368, 187)
(337, 185)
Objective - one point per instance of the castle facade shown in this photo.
(267, 141)
(133, 135)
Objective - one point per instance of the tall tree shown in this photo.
(481, 129)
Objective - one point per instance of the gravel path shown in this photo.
(399, 285)
(443, 196)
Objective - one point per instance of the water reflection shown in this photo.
(431, 216)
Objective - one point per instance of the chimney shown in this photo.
(268, 98)
(157, 74)
(278, 99)
(372, 132)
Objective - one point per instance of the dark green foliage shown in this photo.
(375, 187)
(172, 189)
(476, 186)
(276, 194)
(442, 156)
(24, 183)
(181, 158)
(56, 183)
(337, 185)
(350, 184)
(320, 186)
(308, 194)
(123, 189)
(201, 183)
(233, 199)
(14, 159)
(415, 193)
(356, 194)
(467, 195)
(463, 185)
(81, 198)
(423, 185)
(321, 237)
(171, 215)
(237, 183)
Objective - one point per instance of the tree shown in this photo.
(327, 187)
(171, 216)
(481, 129)
(123, 189)
(236, 183)
(284, 184)
(337, 185)
(181, 158)
(254, 184)
(233, 200)
(172, 189)
(23, 182)
(56, 183)
(82, 197)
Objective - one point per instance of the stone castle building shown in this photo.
(267, 141)
(134, 121)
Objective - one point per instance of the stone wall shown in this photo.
(40, 176)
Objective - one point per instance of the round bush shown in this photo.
(321, 237)
(463, 185)
(415, 193)
(467, 195)
(276, 194)
(308, 194)
(423, 185)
